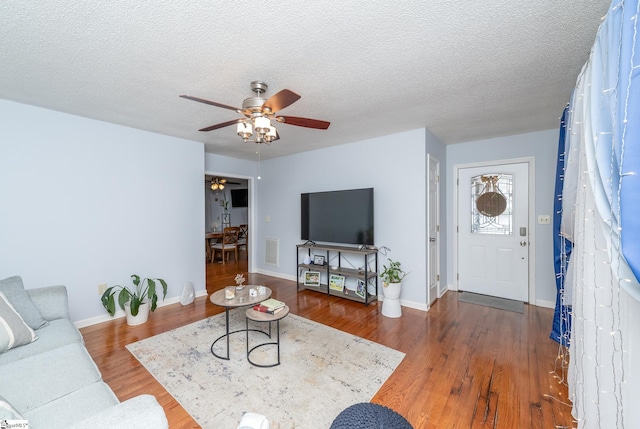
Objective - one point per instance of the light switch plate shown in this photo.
(544, 219)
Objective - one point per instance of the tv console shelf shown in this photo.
(334, 256)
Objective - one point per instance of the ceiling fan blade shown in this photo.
(304, 122)
(212, 103)
(279, 101)
(222, 125)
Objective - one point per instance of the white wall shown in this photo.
(543, 146)
(395, 166)
(86, 202)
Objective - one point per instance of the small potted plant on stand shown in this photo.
(137, 301)
(392, 276)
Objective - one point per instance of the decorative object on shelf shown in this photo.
(188, 294)
(318, 260)
(312, 278)
(229, 292)
(239, 279)
(361, 288)
(253, 292)
(140, 299)
(392, 276)
(306, 260)
(258, 113)
(261, 290)
(336, 282)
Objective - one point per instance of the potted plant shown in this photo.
(136, 301)
(392, 276)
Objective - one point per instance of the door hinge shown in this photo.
(437, 228)
(457, 276)
(437, 277)
(438, 178)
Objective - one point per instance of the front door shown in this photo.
(493, 230)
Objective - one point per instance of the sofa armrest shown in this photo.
(141, 412)
(51, 301)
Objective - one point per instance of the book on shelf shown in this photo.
(264, 309)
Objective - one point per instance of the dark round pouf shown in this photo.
(369, 416)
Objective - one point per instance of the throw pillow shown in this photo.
(7, 412)
(13, 331)
(14, 290)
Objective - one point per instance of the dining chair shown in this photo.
(210, 238)
(243, 236)
(229, 243)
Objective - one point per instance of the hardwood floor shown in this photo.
(466, 366)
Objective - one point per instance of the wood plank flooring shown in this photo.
(466, 366)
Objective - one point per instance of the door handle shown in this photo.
(432, 239)
(523, 243)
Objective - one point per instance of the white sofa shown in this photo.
(52, 381)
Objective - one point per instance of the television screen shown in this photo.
(239, 197)
(338, 216)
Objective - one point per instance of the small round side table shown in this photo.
(258, 316)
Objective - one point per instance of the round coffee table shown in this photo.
(218, 298)
(258, 316)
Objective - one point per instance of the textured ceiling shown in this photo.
(466, 70)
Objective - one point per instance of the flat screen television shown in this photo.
(344, 217)
(239, 197)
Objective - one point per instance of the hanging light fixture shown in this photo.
(264, 131)
(217, 184)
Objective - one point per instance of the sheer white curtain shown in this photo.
(600, 187)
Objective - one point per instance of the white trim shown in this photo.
(439, 202)
(546, 304)
(532, 224)
(120, 313)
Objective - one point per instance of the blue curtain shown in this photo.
(561, 327)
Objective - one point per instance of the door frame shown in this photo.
(431, 299)
(531, 212)
(251, 248)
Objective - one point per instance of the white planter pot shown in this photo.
(391, 303)
(140, 318)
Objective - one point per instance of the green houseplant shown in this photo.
(392, 273)
(392, 276)
(144, 291)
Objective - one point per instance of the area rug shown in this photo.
(492, 301)
(323, 371)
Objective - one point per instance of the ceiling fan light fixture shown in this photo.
(270, 134)
(258, 112)
(244, 130)
(261, 124)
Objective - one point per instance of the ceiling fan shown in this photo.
(219, 184)
(258, 113)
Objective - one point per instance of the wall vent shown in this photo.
(271, 251)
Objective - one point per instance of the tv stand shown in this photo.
(334, 257)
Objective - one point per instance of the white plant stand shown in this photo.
(391, 303)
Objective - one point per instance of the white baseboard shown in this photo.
(278, 275)
(120, 313)
(547, 304)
